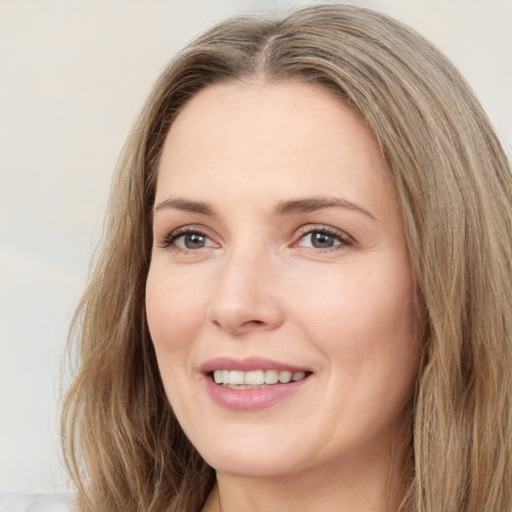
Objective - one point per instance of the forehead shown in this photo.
(270, 136)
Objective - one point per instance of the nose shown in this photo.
(245, 299)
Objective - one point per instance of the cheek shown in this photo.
(175, 310)
(364, 323)
(368, 338)
(358, 301)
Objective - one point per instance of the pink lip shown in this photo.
(249, 399)
(247, 365)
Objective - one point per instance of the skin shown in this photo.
(257, 285)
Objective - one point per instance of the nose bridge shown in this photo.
(244, 295)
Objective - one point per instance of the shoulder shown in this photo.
(20, 502)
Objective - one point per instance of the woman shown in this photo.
(304, 295)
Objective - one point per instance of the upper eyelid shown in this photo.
(187, 228)
(174, 234)
(345, 241)
(311, 228)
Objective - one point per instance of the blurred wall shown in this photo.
(72, 77)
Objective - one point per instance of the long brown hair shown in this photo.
(123, 446)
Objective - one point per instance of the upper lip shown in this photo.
(247, 364)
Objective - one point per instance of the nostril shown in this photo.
(254, 322)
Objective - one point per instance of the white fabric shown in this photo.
(19, 502)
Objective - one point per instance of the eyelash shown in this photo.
(344, 240)
(175, 235)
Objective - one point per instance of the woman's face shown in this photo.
(279, 253)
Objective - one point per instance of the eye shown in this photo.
(187, 239)
(324, 239)
(191, 241)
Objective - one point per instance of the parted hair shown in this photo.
(123, 446)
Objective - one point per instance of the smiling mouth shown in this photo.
(237, 379)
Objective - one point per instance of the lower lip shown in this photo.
(251, 399)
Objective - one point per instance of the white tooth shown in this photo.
(236, 377)
(217, 376)
(225, 376)
(255, 378)
(271, 376)
(285, 377)
(298, 376)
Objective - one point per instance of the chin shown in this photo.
(250, 467)
(249, 458)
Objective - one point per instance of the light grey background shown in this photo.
(73, 74)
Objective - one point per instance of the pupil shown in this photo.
(322, 240)
(194, 241)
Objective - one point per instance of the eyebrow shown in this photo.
(312, 204)
(187, 206)
(290, 207)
